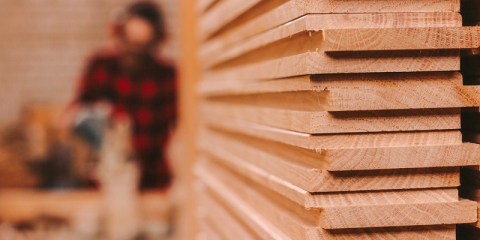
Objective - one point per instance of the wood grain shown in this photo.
(299, 219)
(338, 141)
(337, 122)
(234, 87)
(306, 63)
(282, 14)
(228, 225)
(341, 159)
(314, 179)
(317, 123)
(271, 214)
(207, 232)
(247, 215)
(462, 211)
(302, 54)
(203, 5)
(215, 18)
(385, 39)
(329, 199)
(350, 92)
(393, 97)
(338, 23)
(473, 193)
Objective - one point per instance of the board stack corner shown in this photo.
(335, 120)
(469, 175)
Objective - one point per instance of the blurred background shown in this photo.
(49, 183)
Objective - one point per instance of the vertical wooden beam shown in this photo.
(188, 76)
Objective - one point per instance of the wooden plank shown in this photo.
(215, 18)
(208, 232)
(463, 211)
(386, 97)
(299, 220)
(226, 223)
(472, 192)
(338, 122)
(354, 214)
(339, 23)
(249, 216)
(359, 6)
(302, 54)
(203, 5)
(234, 87)
(340, 159)
(330, 199)
(314, 179)
(309, 200)
(338, 141)
(390, 39)
(276, 215)
(283, 14)
(277, 64)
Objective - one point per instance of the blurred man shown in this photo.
(140, 88)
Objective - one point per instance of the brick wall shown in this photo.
(43, 46)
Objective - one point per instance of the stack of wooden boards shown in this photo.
(470, 69)
(333, 119)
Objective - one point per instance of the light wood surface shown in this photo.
(384, 39)
(248, 215)
(286, 11)
(254, 149)
(292, 221)
(471, 192)
(314, 179)
(207, 231)
(336, 120)
(228, 225)
(213, 53)
(379, 97)
(462, 211)
(350, 92)
(277, 216)
(323, 122)
(234, 87)
(203, 5)
(188, 75)
(277, 64)
(339, 141)
(214, 19)
(334, 217)
(330, 199)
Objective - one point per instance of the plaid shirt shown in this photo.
(148, 97)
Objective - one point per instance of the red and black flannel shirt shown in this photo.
(148, 97)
